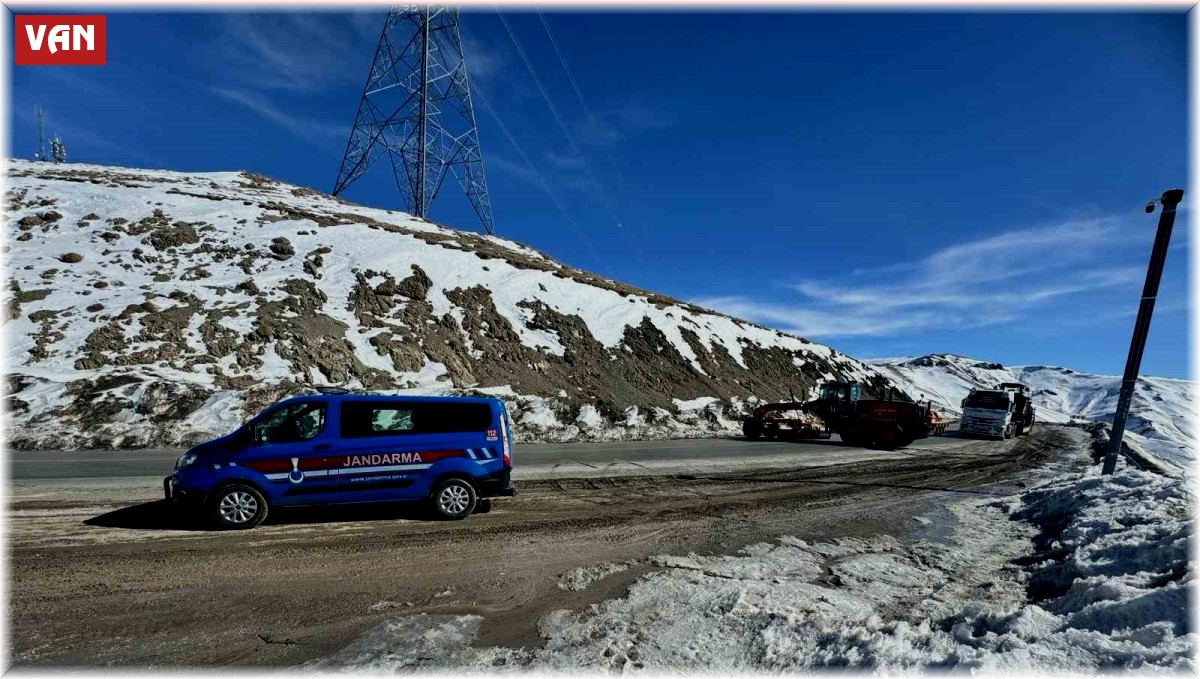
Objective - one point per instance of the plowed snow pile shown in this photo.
(1079, 575)
(147, 307)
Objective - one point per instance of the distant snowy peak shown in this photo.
(1160, 415)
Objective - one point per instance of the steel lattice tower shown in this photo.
(416, 109)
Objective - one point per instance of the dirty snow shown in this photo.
(579, 579)
(1082, 574)
(589, 417)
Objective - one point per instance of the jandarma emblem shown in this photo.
(296, 476)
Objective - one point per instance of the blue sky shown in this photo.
(894, 184)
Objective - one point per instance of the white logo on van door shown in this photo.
(296, 476)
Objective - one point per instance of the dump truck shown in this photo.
(888, 423)
(1001, 413)
(1022, 407)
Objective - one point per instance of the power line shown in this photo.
(558, 119)
(562, 59)
(575, 86)
(487, 105)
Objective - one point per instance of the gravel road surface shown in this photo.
(104, 573)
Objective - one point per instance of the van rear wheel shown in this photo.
(454, 499)
(237, 506)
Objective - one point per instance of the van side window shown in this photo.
(298, 422)
(390, 420)
(387, 418)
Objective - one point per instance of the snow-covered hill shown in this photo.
(1159, 419)
(158, 308)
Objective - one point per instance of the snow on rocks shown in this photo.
(1085, 573)
(589, 417)
(539, 418)
(231, 286)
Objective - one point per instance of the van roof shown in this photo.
(384, 398)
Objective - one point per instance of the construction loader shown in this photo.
(887, 423)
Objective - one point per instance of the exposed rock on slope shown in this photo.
(158, 308)
(1159, 418)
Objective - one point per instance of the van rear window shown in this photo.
(394, 418)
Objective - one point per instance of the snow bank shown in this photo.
(535, 418)
(541, 419)
(1160, 418)
(1086, 573)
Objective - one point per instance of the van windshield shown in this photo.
(297, 422)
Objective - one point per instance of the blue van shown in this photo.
(344, 447)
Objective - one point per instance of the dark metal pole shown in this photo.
(1141, 327)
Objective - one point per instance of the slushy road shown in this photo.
(530, 460)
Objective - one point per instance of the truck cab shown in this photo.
(987, 413)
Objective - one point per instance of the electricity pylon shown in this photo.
(416, 110)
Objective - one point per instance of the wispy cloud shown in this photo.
(810, 321)
(504, 164)
(485, 62)
(613, 124)
(296, 51)
(315, 131)
(566, 161)
(1006, 278)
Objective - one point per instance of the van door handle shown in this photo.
(322, 446)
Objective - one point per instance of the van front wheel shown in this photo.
(237, 506)
(454, 499)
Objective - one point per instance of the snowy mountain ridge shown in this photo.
(149, 307)
(1160, 416)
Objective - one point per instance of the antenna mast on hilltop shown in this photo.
(40, 154)
(58, 150)
(416, 109)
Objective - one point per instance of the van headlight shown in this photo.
(186, 460)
